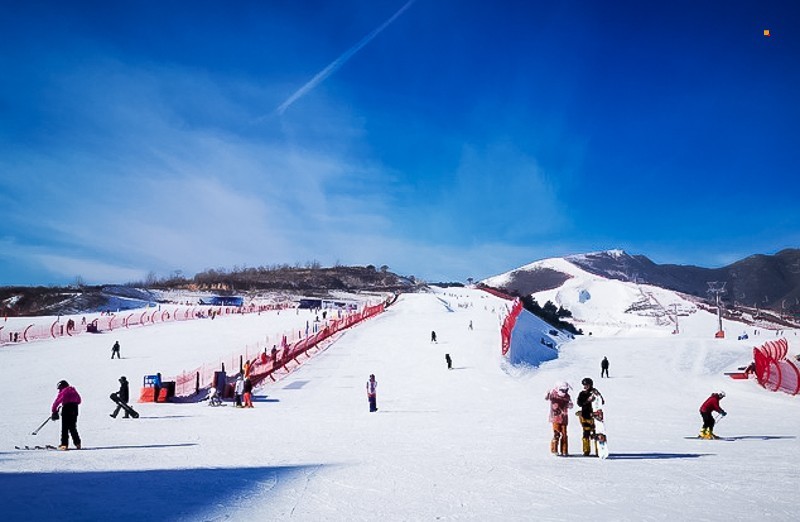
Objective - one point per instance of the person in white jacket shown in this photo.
(372, 389)
(238, 389)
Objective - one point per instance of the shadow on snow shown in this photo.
(761, 437)
(655, 456)
(134, 495)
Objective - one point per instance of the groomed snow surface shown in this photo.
(471, 443)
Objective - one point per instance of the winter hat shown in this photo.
(563, 386)
(587, 381)
(62, 384)
(122, 379)
(721, 394)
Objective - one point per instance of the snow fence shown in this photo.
(773, 370)
(70, 327)
(259, 365)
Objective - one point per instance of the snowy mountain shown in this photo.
(646, 282)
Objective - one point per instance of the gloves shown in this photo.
(723, 413)
(54, 416)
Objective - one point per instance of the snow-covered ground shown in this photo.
(469, 443)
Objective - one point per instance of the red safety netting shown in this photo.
(508, 326)
(773, 370)
(259, 363)
(126, 319)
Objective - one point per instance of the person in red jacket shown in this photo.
(710, 406)
(69, 399)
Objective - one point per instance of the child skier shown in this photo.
(710, 406)
(586, 399)
(560, 402)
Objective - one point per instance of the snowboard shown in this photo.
(47, 447)
(130, 411)
(600, 434)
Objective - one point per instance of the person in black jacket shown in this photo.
(586, 401)
(124, 395)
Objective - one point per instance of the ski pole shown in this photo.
(41, 426)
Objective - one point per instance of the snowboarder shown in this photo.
(604, 367)
(123, 395)
(115, 350)
(586, 415)
(433, 337)
(449, 361)
(372, 393)
(213, 397)
(560, 402)
(68, 399)
(710, 406)
(238, 390)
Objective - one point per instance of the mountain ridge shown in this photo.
(758, 281)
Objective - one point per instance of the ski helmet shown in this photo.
(587, 381)
(721, 394)
(62, 384)
(562, 386)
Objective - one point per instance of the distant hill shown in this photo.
(757, 282)
(311, 281)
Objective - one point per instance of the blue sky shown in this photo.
(446, 139)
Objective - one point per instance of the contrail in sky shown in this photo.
(334, 65)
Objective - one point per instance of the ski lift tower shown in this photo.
(717, 289)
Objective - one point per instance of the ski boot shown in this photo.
(707, 434)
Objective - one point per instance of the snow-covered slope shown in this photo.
(469, 443)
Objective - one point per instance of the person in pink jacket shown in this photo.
(68, 399)
(560, 402)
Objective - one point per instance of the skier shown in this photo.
(449, 361)
(124, 395)
(585, 400)
(238, 389)
(69, 399)
(710, 406)
(372, 396)
(115, 350)
(433, 337)
(604, 367)
(560, 402)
